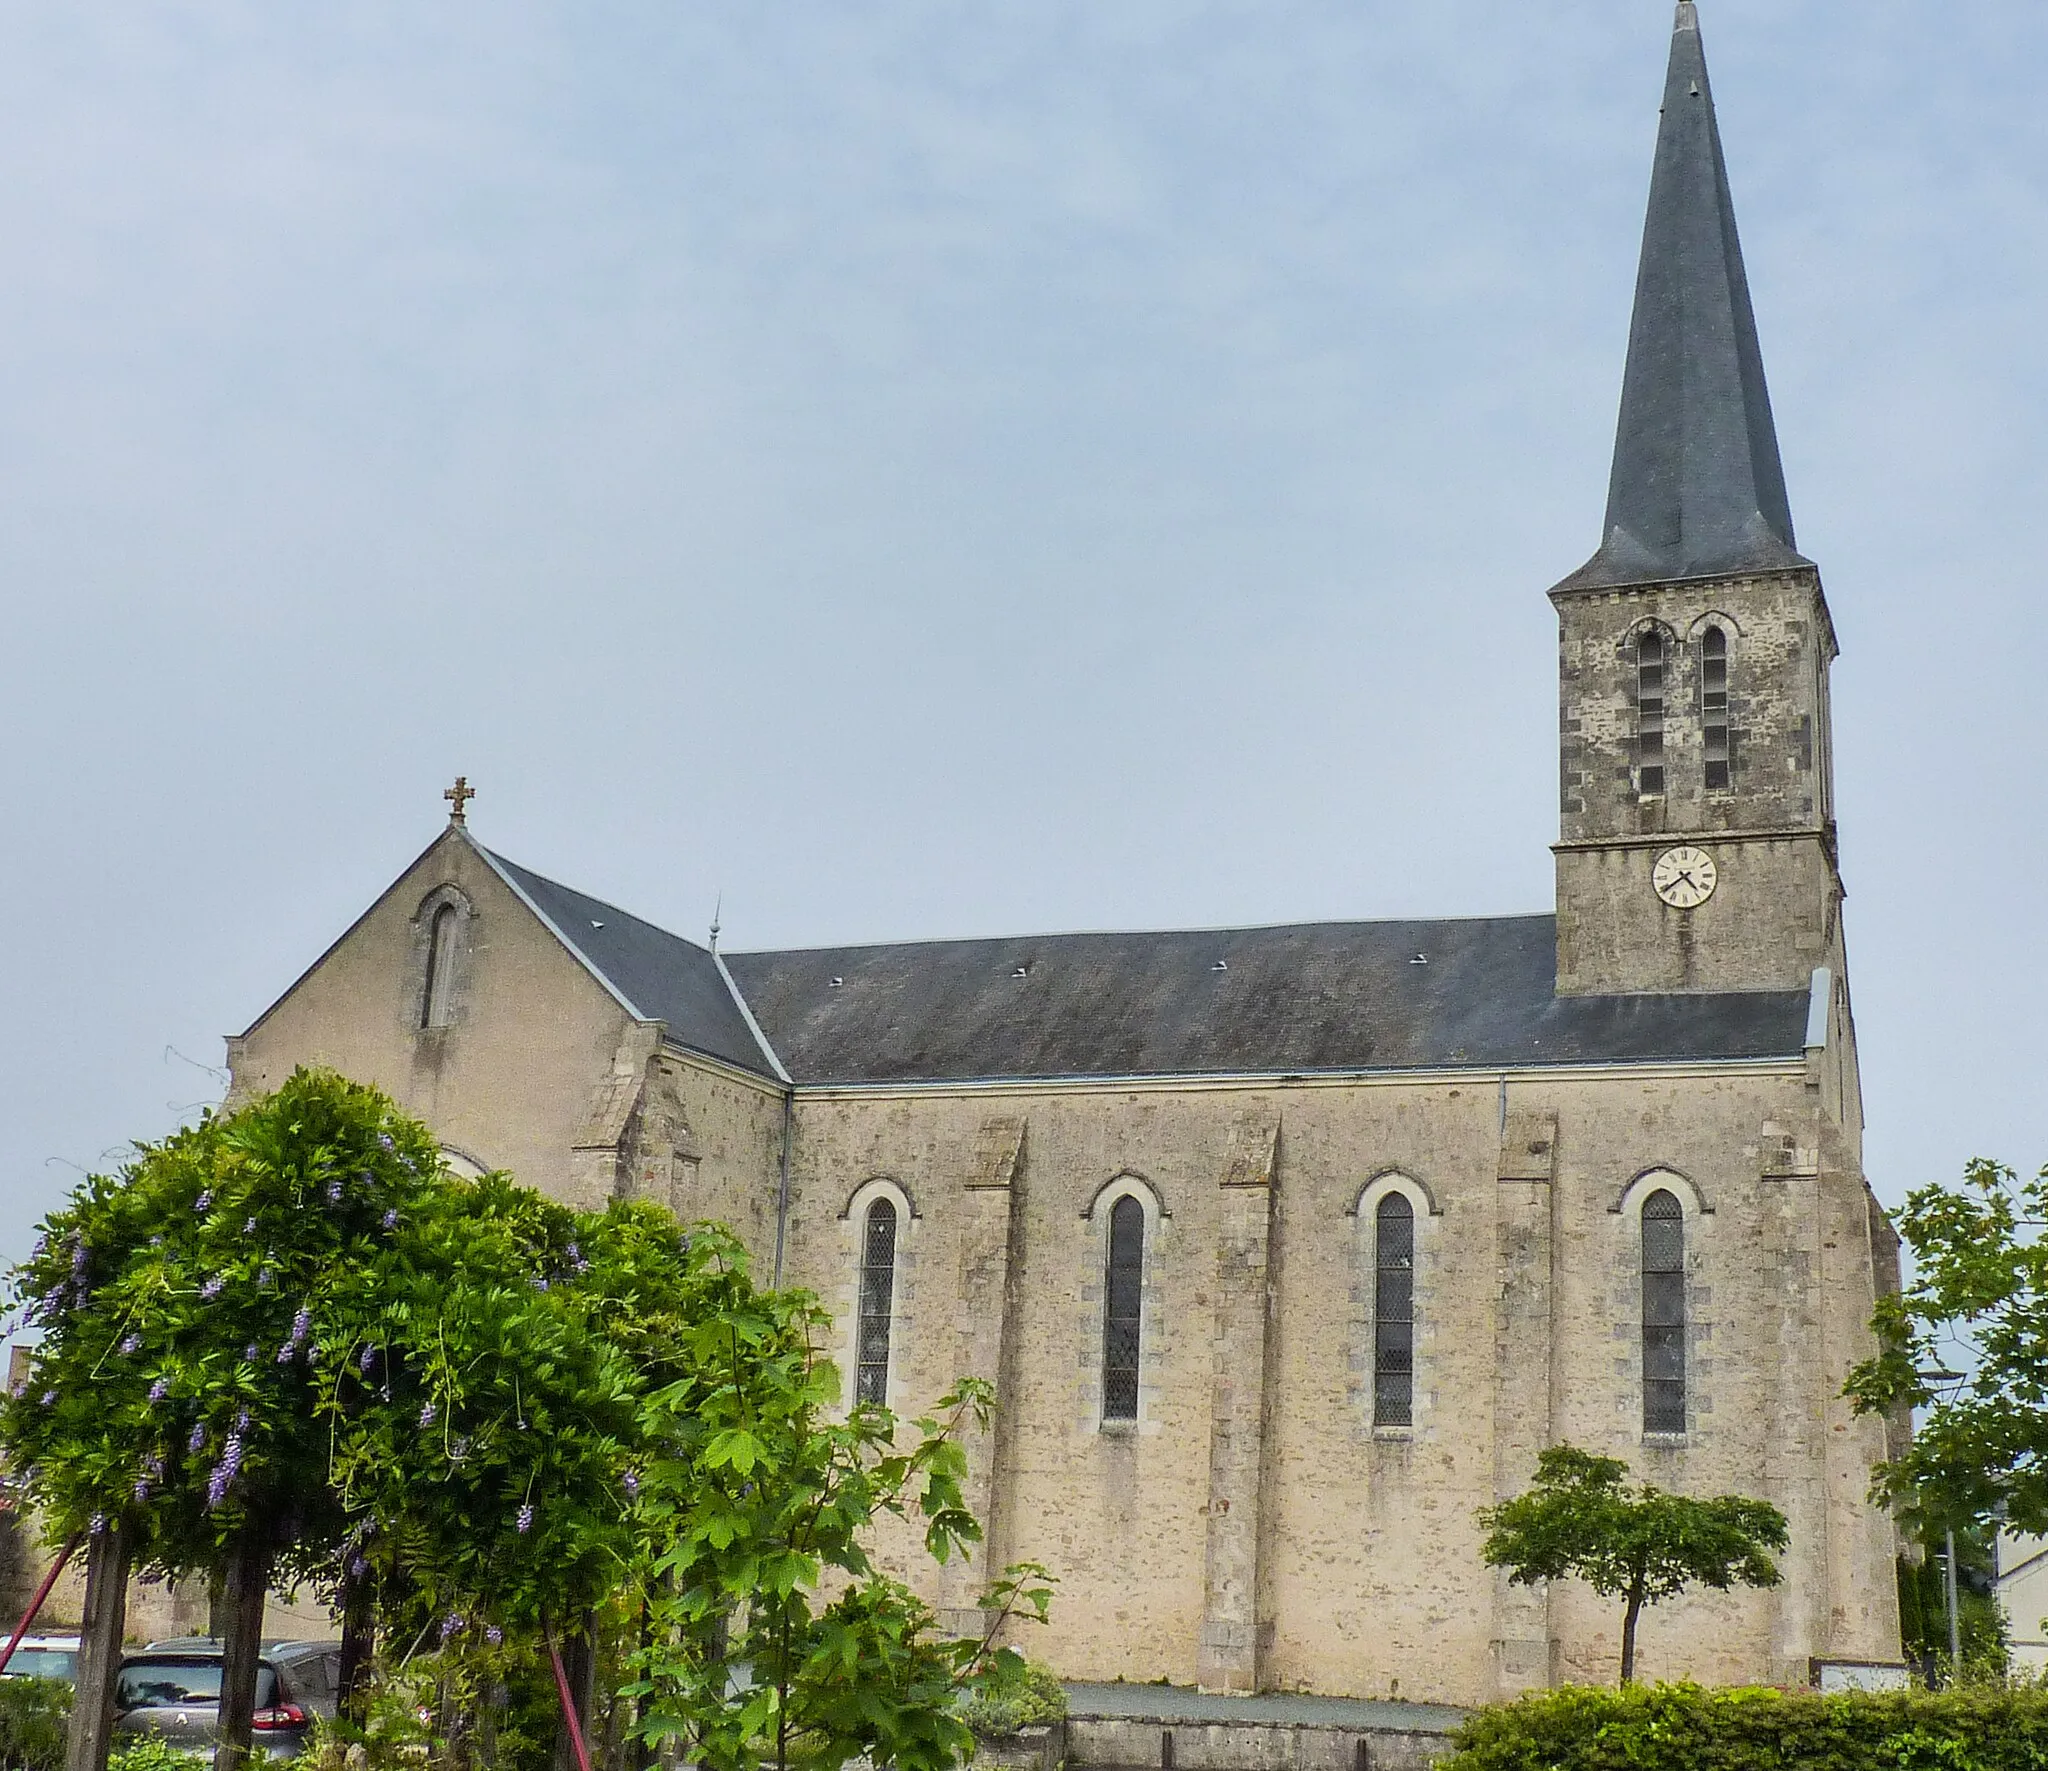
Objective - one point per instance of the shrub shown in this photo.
(151, 1752)
(1014, 1701)
(33, 1716)
(1687, 1728)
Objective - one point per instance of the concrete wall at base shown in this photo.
(1249, 1746)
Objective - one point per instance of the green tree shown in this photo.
(774, 1639)
(172, 1401)
(1582, 1520)
(1966, 1344)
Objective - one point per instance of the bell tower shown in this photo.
(1697, 847)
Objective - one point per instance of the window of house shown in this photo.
(437, 1000)
(1122, 1306)
(1650, 662)
(1393, 1343)
(1663, 1314)
(1714, 706)
(877, 1302)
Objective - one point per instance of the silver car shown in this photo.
(172, 1689)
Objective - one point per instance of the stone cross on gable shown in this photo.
(459, 796)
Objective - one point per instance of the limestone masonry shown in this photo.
(1290, 1248)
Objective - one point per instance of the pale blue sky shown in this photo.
(933, 468)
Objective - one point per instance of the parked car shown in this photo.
(44, 1657)
(172, 1689)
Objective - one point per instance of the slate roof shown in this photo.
(1291, 1000)
(663, 976)
(1333, 996)
(1697, 487)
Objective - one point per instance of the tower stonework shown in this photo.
(1775, 914)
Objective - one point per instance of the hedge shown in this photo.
(1688, 1728)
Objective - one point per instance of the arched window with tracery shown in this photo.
(1714, 707)
(1663, 1232)
(877, 1302)
(437, 999)
(1122, 1310)
(1650, 663)
(1393, 1327)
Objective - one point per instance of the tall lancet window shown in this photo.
(1650, 712)
(1714, 707)
(437, 1000)
(877, 1302)
(1393, 1328)
(1123, 1305)
(1663, 1314)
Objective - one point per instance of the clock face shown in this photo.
(1685, 877)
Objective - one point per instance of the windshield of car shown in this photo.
(43, 1663)
(178, 1683)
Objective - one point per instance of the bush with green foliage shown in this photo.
(151, 1752)
(34, 1714)
(1024, 1696)
(1689, 1728)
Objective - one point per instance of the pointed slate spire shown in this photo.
(1697, 487)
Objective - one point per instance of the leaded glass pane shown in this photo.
(1122, 1307)
(877, 1302)
(1663, 1231)
(1393, 1355)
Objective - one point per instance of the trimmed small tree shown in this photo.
(1581, 1520)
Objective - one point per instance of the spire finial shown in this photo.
(717, 911)
(459, 796)
(1697, 488)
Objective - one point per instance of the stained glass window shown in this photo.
(1393, 1329)
(877, 1301)
(1663, 1314)
(1121, 1310)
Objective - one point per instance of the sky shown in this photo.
(908, 468)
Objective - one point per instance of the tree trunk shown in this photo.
(358, 1644)
(1628, 1634)
(247, 1585)
(99, 1651)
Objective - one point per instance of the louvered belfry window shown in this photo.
(1650, 712)
(1714, 708)
(1393, 1328)
(1663, 1314)
(1122, 1307)
(877, 1300)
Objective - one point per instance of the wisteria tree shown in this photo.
(171, 1414)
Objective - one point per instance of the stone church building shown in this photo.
(1289, 1248)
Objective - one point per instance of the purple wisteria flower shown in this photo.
(391, 1218)
(224, 1472)
(334, 1192)
(196, 1438)
(540, 1284)
(49, 1398)
(386, 1142)
(523, 1520)
(131, 1343)
(98, 1525)
(368, 1177)
(79, 1256)
(251, 1351)
(288, 1352)
(160, 1389)
(451, 1625)
(458, 1448)
(156, 1242)
(365, 1359)
(248, 1226)
(213, 1288)
(302, 1324)
(358, 1566)
(494, 1635)
(266, 1279)
(204, 1202)
(630, 1481)
(242, 1421)
(427, 1415)
(142, 1487)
